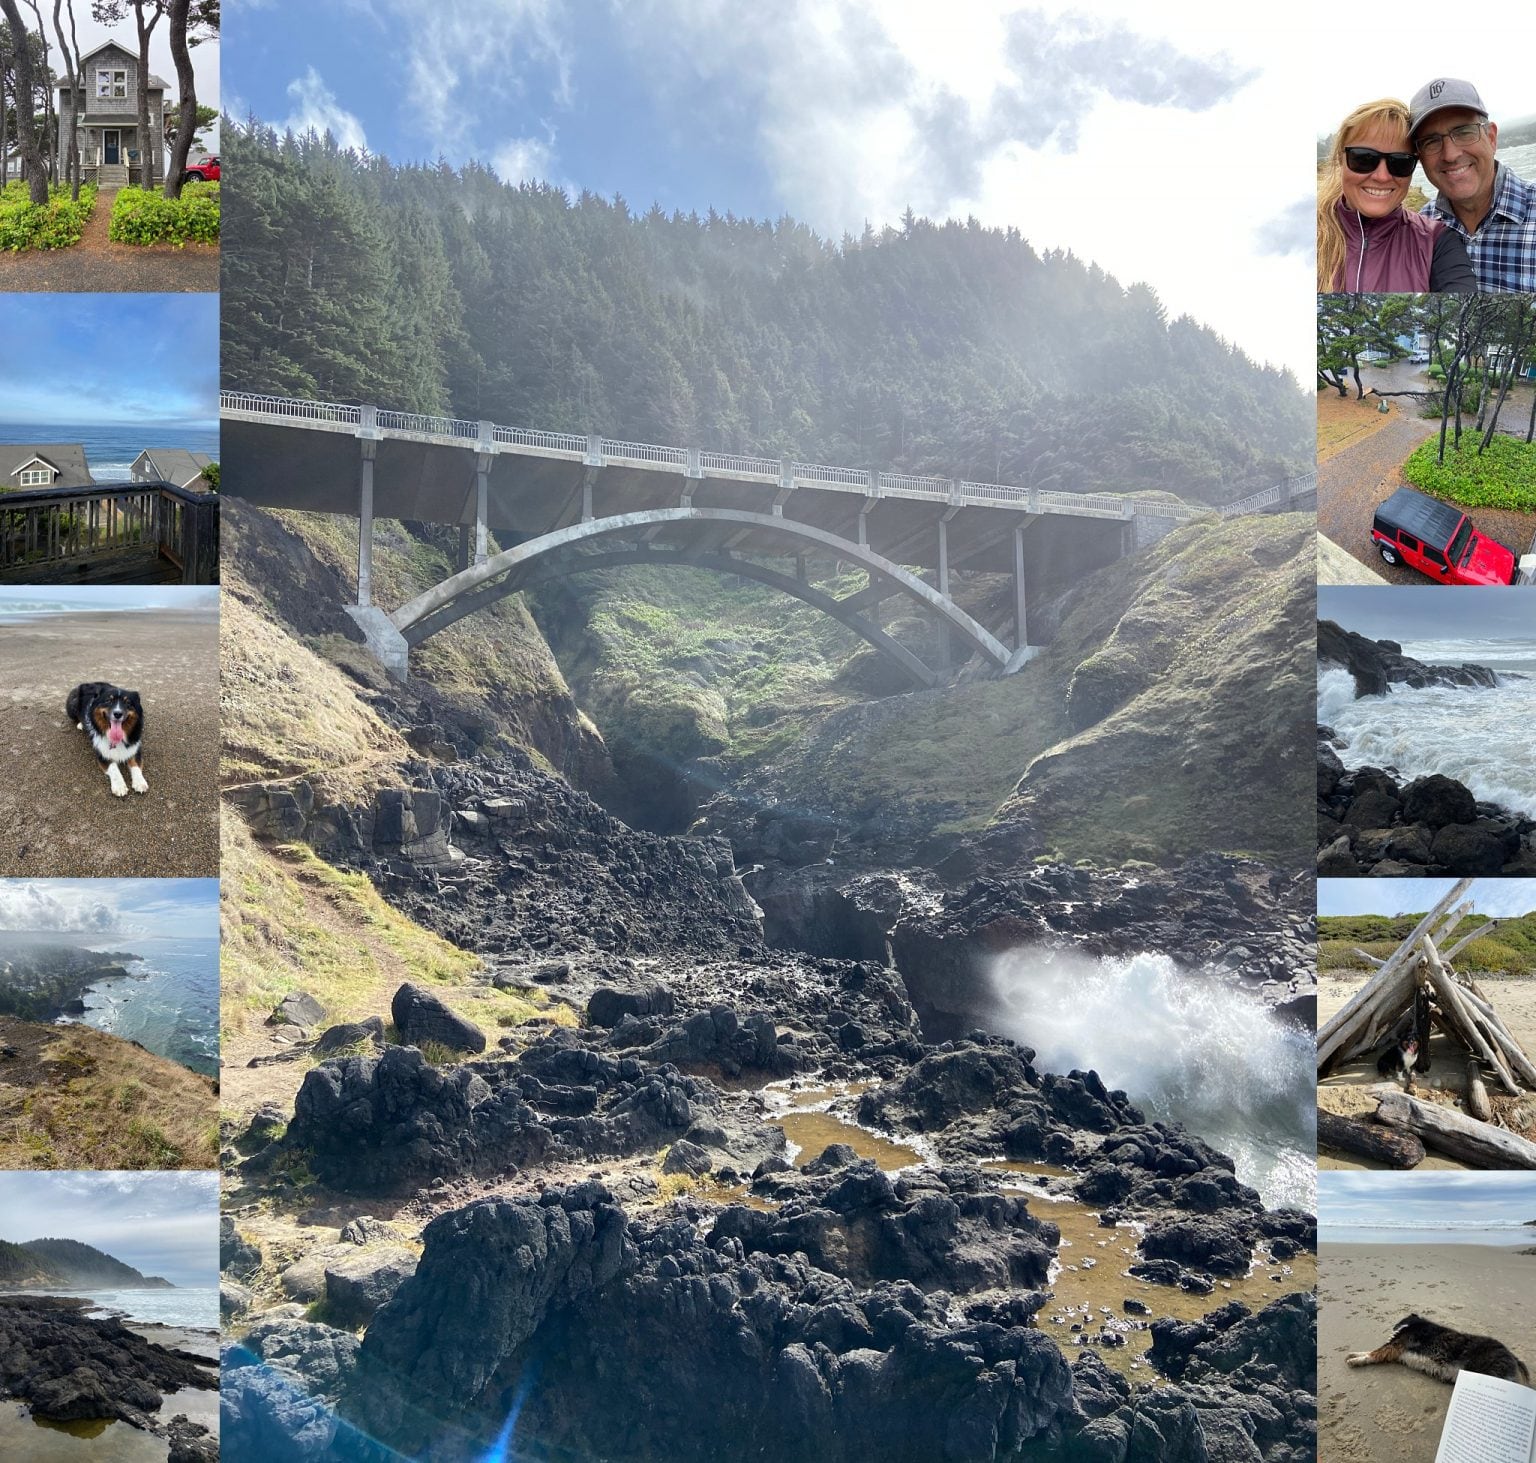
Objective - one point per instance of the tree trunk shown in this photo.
(72, 70)
(26, 118)
(149, 149)
(50, 126)
(187, 82)
(1380, 1144)
(1481, 1145)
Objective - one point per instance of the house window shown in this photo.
(36, 477)
(111, 83)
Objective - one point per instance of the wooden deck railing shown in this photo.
(50, 526)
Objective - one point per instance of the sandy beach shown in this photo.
(1346, 1090)
(58, 817)
(1388, 1414)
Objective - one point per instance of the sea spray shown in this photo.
(1479, 736)
(1185, 1047)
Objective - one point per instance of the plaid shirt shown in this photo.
(1503, 250)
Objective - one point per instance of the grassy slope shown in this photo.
(1169, 716)
(86, 1100)
(1508, 950)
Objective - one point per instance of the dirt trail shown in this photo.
(96, 264)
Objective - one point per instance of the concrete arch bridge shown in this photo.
(567, 504)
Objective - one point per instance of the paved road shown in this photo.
(1352, 482)
(96, 264)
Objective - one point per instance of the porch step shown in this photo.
(113, 175)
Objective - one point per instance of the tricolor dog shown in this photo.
(113, 719)
(1429, 1347)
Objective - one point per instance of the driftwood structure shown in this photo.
(1414, 988)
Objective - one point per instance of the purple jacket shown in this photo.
(1390, 255)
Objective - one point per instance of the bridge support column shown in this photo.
(365, 527)
(388, 645)
(461, 561)
(1020, 617)
(482, 495)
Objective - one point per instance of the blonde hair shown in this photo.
(1331, 246)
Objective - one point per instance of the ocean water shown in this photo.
(1481, 737)
(1505, 1232)
(110, 450)
(169, 1003)
(1184, 1046)
(193, 1307)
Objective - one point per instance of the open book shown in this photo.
(1489, 1421)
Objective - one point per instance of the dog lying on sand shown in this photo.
(1441, 1352)
(113, 720)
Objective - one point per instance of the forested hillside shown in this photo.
(945, 348)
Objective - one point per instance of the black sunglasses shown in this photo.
(1368, 159)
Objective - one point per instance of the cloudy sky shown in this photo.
(1415, 48)
(137, 908)
(1501, 898)
(164, 1224)
(1432, 1199)
(1165, 143)
(1429, 612)
(151, 359)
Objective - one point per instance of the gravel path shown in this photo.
(1352, 482)
(58, 818)
(96, 264)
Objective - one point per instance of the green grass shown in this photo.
(1502, 476)
(54, 225)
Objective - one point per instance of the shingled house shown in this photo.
(175, 465)
(105, 100)
(28, 466)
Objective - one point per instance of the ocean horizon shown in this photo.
(111, 449)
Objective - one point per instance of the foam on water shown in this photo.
(1481, 737)
(1185, 1047)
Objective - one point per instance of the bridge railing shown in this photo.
(451, 430)
(424, 426)
(1281, 492)
(289, 407)
(51, 526)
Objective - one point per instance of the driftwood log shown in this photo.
(1477, 1094)
(1480, 1145)
(1365, 1140)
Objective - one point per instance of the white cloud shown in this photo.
(467, 56)
(34, 905)
(524, 160)
(315, 109)
(1150, 141)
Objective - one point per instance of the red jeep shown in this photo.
(1438, 540)
(206, 171)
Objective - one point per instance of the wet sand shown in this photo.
(1389, 1414)
(1346, 1090)
(58, 818)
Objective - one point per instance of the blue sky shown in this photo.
(111, 908)
(164, 1224)
(1431, 1199)
(1500, 898)
(1090, 128)
(151, 359)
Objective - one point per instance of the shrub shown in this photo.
(53, 225)
(143, 217)
(1503, 476)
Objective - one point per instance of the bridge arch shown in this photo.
(505, 573)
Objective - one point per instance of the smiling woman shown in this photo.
(1366, 240)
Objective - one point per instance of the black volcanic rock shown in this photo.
(1378, 664)
(69, 1367)
(421, 1016)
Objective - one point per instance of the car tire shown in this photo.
(1390, 555)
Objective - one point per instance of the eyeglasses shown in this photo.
(1463, 136)
(1368, 159)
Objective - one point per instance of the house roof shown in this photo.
(67, 457)
(128, 51)
(173, 464)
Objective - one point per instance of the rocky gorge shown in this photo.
(551, 1137)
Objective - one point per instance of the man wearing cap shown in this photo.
(1492, 209)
